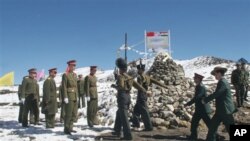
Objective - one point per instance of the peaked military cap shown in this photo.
(93, 67)
(121, 63)
(71, 62)
(219, 69)
(196, 75)
(32, 70)
(52, 69)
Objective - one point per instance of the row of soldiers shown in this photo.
(124, 83)
(72, 95)
(240, 80)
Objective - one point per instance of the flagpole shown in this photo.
(169, 50)
(145, 42)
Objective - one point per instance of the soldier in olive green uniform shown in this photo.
(81, 91)
(62, 114)
(245, 80)
(20, 115)
(236, 81)
(202, 111)
(30, 97)
(70, 94)
(141, 108)
(92, 97)
(223, 102)
(49, 107)
(123, 85)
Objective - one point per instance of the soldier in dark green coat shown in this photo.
(20, 115)
(49, 103)
(236, 80)
(202, 111)
(81, 91)
(141, 108)
(245, 80)
(70, 94)
(124, 85)
(223, 102)
(92, 97)
(30, 97)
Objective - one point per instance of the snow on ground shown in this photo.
(10, 129)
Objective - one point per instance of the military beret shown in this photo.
(93, 67)
(141, 67)
(71, 62)
(52, 69)
(80, 75)
(32, 70)
(219, 69)
(121, 63)
(196, 75)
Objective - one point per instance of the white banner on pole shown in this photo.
(157, 40)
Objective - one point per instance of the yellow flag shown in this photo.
(7, 79)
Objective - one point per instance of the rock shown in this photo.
(187, 116)
(246, 104)
(170, 107)
(157, 121)
(111, 121)
(183, 123)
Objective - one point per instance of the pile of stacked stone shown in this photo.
(166, 106)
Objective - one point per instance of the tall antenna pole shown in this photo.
(126, 47)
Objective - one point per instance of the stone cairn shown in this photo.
(166, 106)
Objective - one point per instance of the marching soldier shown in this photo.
(30, 97)
(124, 85)
(236, 80)
(92, 97)
(223, 102)
(50, 99)
(80, 85)
(70, 95)
(245, 80)
(202, 111)
(141, 108)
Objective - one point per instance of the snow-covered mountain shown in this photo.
(204, 65)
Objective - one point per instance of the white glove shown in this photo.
(66, 100)
(58, 100)
(22, 100)
(88, 98)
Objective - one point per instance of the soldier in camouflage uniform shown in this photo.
(70, 94)
(202, 111)
(80, 85)
(124, 85)
(223, 102)
(92, 97)
(141, 108)
(30, 97)
(236, 79)
(245, 80)
(49, 107)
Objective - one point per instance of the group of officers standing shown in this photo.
(73, 91)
